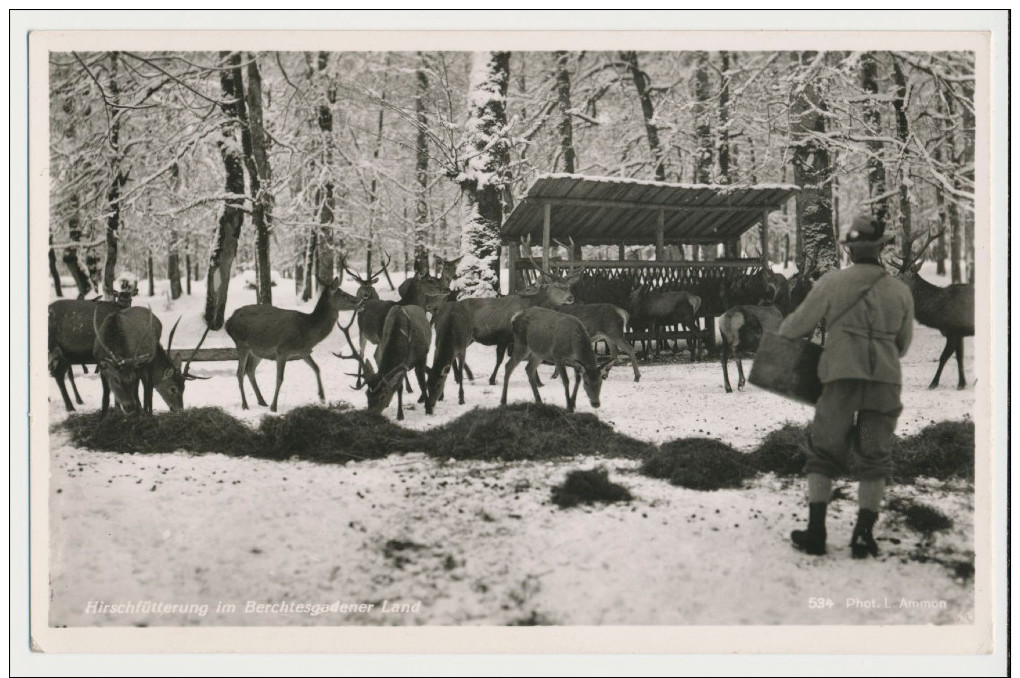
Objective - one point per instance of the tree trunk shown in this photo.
(54, 273)
(187, 265)
(902, 134)
(421, 171)
(812, 171)
(173, 267)
(724, 120)
(325, 247)
(486, 173)
(565, 127)
(117, 181)
(221, 259)
(703, 133)
(310, 264)
(648, 111)
(873, 120)
(149, 274)
(256, 160)
(70, 254)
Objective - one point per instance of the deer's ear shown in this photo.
(373, 280)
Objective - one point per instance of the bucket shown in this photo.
(787, 367)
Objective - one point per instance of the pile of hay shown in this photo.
(335, 433)
(698, 464)
(943, 451)
(201, 430)
(529, 431)
(782, 452)
(588, 487)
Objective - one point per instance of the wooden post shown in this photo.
(546, 234)
(660, 229)
(765, 235)
(621, 252)
(514, 252)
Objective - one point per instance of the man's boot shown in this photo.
(862, 544)
(812, 540)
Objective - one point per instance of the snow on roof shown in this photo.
(722, 188)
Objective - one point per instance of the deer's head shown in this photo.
(592, 380)
(168, 378)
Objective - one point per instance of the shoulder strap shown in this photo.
(829, 321)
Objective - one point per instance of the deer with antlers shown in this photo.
(261, 331)
(950, 310)
(404, 346)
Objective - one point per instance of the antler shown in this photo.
(932, 237)
(358, 278)
(99, 336)
(187, 365)
(366, 367)
(526, 245)
(384, 266)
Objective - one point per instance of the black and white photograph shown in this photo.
(587, 330)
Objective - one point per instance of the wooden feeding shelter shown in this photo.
(619, 212)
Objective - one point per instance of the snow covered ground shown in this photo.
(481, 543)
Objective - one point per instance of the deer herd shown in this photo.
(540, 325)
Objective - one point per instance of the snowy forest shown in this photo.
(199, 165)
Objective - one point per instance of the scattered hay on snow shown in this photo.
(529, 431)
(698, 464)
(920, 517)
(588, 487)
(944, 450)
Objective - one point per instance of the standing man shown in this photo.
(869, 325)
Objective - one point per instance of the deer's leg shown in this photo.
(515, 358)
(577, 384)
(740, 371)
(467, 370)
(281, 363)
(407, 383)
(318, 378)
(946, 353)
(725, 359)
(459, 367)
(58, 374)
(253, 362)
(242, 367)
(500, 352)
(561, 370)
(959, 363)
(106, 393)
(147, 391)
(400, 399)
(419, 373)
(532, 370)
(74, 387)
(622, 345)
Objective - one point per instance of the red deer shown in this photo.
(404, 346)
(125, 346)
(72, 339)
(453, 336)
(605, 322)
(543, 335)
(742, 328)
(490, 318)
(418, 290)
(950, 310)
(660, 309)
(261, 331)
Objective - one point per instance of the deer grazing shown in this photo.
(543, 335)
(661, 309)
(404, 346)
(605, 322)
(453, 336)
(490, 317)
(72, 341)
(261, 331)
(950, 310)
(741, 329)
(125, 346)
